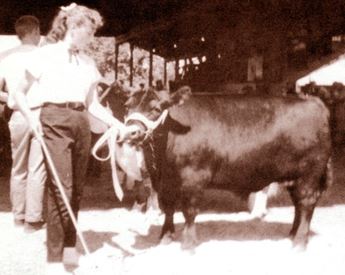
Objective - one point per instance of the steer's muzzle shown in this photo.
(134, 134)
(144, 126)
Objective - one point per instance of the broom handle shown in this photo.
(62, 192)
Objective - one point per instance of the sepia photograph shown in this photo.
(174, 137)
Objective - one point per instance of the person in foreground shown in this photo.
(28, 172)
(66, 82)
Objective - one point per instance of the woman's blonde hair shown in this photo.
(73, 16)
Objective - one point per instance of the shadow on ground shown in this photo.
(252, 230)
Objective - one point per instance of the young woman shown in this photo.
(65, 80)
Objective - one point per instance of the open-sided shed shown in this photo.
(227, 32)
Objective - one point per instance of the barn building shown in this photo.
(231, 46)
(218, 45)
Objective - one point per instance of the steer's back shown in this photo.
(243, 143)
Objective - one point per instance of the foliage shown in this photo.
(102, 50)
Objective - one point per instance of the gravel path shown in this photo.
(125, 242)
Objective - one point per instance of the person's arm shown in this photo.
(3, 94)
(100, 112)
(20, 98)
(105, 93)
(3, 97)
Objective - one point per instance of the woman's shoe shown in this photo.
(30, 227)
(71, 256)
(56, 269)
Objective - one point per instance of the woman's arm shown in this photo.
(99, 111)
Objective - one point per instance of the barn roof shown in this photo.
(166, 24)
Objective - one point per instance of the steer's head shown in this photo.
(148, 109)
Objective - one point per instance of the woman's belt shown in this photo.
(76, 106)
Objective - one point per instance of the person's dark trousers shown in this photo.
(94, 165)
(67, 135)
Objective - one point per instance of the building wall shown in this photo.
(251, 55)
(280, 54)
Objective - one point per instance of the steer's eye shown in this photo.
(165, 105)
(157, 109)
(135, 133)
(154, 106)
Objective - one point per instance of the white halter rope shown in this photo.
(149, 124)
(110, 136)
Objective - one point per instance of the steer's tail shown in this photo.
(327, 177)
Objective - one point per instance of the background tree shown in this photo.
(102, 49)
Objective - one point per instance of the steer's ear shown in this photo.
(181, 95)
(176, 126)
(119, 88)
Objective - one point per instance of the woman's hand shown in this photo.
(35, 125)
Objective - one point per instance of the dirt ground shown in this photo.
(230, 241)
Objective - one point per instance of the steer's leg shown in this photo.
(297, 217)
(257, 203)
(305, 195)
(190, 198)
(300, 239)
(168, 229)
(168, 197)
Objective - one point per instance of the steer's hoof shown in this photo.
(299, 246)
(260, 215)
(189, 238)
(189, 244)
(167, 238)
(299, 249)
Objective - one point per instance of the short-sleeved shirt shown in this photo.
(61, 77)
(18, 49)
(11, 69)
